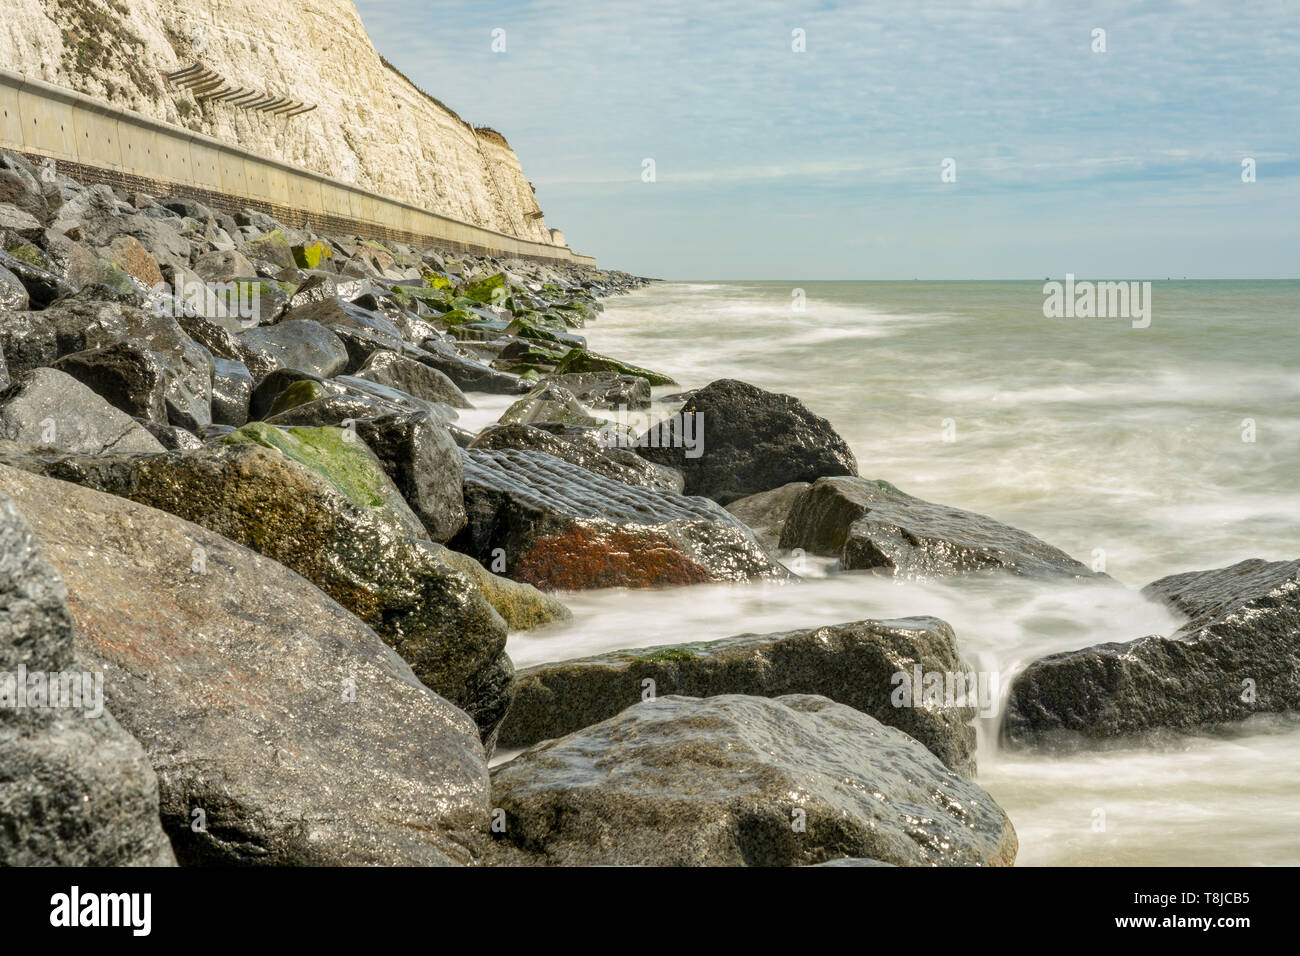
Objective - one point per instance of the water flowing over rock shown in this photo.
(751, 441)
(855, 664)
(871, 524)
(1239, 655)
(744, 781)
(560, 527)
(75, 788)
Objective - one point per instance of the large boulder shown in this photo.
(560, 527)
(871, 524)
(605, 389)
(42, 285)
(466, 373)
(156, 372)
(295, 344)
(765, 512)
(422, 460)
(1238, 655)
(283, 731)
(732, 440)
(862, 665)
(13, 294)
(602, 459)
(547, 403)
(75, 788)
(47, 408)
(745, 781)
(323, 507)
(415, 378)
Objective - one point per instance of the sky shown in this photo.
(769, 163)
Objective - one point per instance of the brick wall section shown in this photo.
(288, 215)
(96, 142)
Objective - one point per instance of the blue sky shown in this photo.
(826, 164)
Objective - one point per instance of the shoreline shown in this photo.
(260, 403)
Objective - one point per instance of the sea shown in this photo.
(1142, 445)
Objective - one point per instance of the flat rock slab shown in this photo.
(271, 716)
(1238, 656)
(872, 525)
(854, 664)
(561, 527)
(745, 781)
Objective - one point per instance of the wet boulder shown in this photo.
(1238, 655)
(415, 378)
(424, 463)
(732, 440)
(13, 294)
(468, 374)
(75, 788)
(232, 391)
(582, 360)
(605, 389)
(156, 372)
(42, 285)
(744, 781)
(765, 512)
(593, 455)
(282, 730)
(361, 331)
(872, 525)
(547, 403)
(862, 665)
(47, 408)
(560, 527)
(322, 505)
(293, 344)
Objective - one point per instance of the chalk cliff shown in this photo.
(371, 126)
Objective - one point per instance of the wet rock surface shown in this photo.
(752, 440)
(1238, 656)
(855, 664)
(560, 527)
(765, 512)
(50, 409)
(270, 715)
(616, 464)
(75, 788)
(871, 524)
(744, 781)
(327, 524)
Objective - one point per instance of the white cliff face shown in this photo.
(372, 127)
